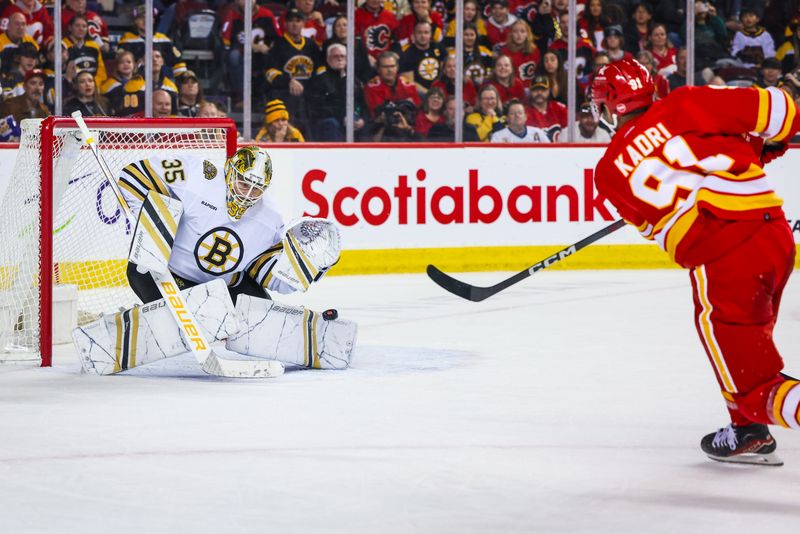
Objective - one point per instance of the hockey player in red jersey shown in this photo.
(687, 171)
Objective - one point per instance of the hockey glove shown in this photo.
(310, 248)
(772, 151)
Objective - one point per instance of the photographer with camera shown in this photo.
(392, 101)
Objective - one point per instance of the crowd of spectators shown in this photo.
(515, 61)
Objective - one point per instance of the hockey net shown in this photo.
(63, 228)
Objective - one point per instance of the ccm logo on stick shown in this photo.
(183, 315)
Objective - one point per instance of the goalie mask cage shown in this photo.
(62, 223)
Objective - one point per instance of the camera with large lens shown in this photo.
(390, 111)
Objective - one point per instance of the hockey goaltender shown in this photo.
(213, 225)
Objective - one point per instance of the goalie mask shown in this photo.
(247, 175)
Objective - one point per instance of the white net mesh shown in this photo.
(91, 235)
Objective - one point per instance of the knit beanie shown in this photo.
(275, 110)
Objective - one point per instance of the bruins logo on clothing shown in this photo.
(300, 67)
(209, 170)
(428, 69)
(219, 251)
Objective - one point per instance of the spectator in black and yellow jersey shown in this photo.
(26, 58)
(82, 50)
(291, 62)
(13, 37)
(134, 40)
(421, 60)
(133, 98)
(277, 128)
(113, 89)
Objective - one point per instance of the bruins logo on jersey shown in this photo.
(209, 170)
(300, 67)
(219, 251)
(428, 69)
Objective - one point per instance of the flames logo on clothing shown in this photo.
(527, 70)
(377, 37)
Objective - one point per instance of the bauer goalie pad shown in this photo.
(147, 333)
(310, 247)
(155, 232)
(292, 334)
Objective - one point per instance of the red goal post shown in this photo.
(78, 245)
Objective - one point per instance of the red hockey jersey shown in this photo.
(691, 154)
(375, 29)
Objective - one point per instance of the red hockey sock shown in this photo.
(775, 403)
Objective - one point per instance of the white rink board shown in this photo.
(318, 180)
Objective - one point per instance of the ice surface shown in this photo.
(573, 402)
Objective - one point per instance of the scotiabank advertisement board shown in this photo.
(471, 208)
(493, 207)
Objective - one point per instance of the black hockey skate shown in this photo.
(750, 444)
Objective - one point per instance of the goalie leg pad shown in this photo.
(148, 333)
(155, 232)
(292, 334)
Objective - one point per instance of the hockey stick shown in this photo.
(478, 293)
(209, 361)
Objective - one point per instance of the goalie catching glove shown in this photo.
(310, 248)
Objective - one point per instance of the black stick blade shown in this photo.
(457, 287)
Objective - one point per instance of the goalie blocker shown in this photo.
(256, 327)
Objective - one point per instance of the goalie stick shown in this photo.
(209, 361)
(478, 293)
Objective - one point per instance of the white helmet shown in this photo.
(248, 173)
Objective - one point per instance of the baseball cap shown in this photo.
(35, 73)
(27, 50)
(141, 11)
(585, 109)
(295, 13)
(503, 3)
(188, 75)
(540, 82)
(614, 29)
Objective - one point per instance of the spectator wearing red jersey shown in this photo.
(585, 49)
(499, 24)
(98, 29)
(522, 50)
(472, 15)
(421, 60)
(265, 32)
(593, 20)
(488, 116)
(662, 85)
(638, 29)
(505, 81)
(662, 49)
(420, 12)
(552, 68)
(39, 25)
(375, 26)
(447, 83)
(432, 112)
(314, 28)
(543, 112)
(614, 44)
(388, 86)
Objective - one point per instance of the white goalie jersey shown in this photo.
(208, 244)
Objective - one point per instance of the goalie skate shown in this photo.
(751, 444)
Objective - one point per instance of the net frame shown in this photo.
(51, 128)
